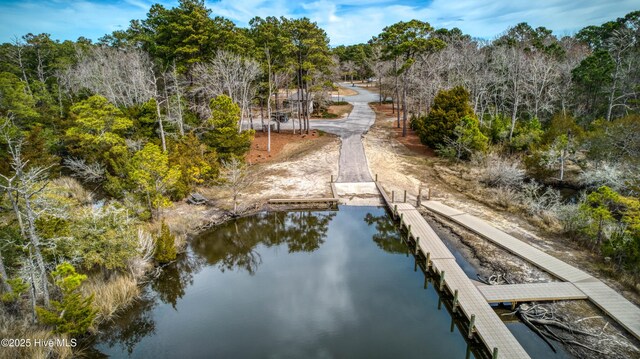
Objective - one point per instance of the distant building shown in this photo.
(293, 102)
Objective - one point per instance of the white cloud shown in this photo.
(65, 20)
(345, 21)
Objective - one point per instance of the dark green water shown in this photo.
(290, 285)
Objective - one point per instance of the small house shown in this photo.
(293, 102)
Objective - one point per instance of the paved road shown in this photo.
(353, 162)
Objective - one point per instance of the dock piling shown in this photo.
(472, 324)
(455, 300)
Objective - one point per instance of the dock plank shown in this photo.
(531, 292)
(608, 300)
(488, 326)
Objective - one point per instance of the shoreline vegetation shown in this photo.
(102, 143)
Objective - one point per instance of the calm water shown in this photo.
(290, 285)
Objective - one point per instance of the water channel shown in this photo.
(320, 284)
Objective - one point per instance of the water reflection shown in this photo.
(289, 285)
(387, 236)
(173, 280)
(233, 246)
(127, 331)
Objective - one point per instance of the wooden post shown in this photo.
(393, 196)
(401, 219)
(495, 353)
(441, 280)
(408, 231)
(472, 324)
(428, 261)
(415, 264)
(376, 177)
(429, 194)
(417, 245)
(395, 211)
(419, 197)
(331, 179)
(455, 300)
(439, 302)
(453, 322)
(405, 196)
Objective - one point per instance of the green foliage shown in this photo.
(496, 128)
(74, 314)
(165, 245)
(144, 120)
(224, 135)
(15, 99)
(18, 288)
(613, 222)
(592, 79)
(50, 227)
(197, 162)
(273, 43)
(40, 147)
(449, 107)
(407, 39)
(97, 133)
(615, 141)
(530, 40)
(527, 135)
(103, 238)
(185, 34)
(561, 125)
(310, 48)
(150, 173)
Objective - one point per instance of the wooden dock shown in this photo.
(531, 292)
(605, 298)
(483, 321)
(329, 200)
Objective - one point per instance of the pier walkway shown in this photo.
(484, 322)
(604, 297)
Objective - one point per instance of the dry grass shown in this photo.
(71, 188)
(340, 110)
(22, 328)
(111, 296)
(344, 91)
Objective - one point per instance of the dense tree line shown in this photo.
(139, 119)
(146, 114)
(537, 111)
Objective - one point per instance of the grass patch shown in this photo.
(22, 328)
(111, 296)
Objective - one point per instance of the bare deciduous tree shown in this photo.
(228, 74)
(22, 187)
(237, 179)
(125, 77)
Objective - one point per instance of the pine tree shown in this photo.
(225, 136)
(165, 245)
(74, 314)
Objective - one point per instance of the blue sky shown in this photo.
(346, 21)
